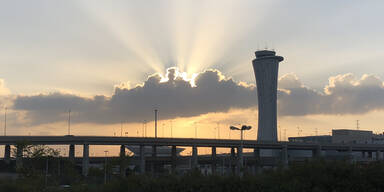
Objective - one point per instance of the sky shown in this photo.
(113, 62)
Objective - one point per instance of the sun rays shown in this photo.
(190, 35)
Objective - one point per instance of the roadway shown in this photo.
(182, 142)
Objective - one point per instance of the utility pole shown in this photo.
(194, 123)
(5, 122)
(145, 128)
(214, 133)
(298, 131)
(155, 123)
(285, 134)
(171, 130)
(69, 122)
(357, 124)
(121, 129)
(142, 130)
(229, 132)
(162, 131)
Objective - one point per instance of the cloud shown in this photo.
(176, 97)
(5, 97)
(3, 89)
(210, 91)
(344, 94)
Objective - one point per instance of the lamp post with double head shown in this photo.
(240, 151)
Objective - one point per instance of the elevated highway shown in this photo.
(185, 142)
(282, 147)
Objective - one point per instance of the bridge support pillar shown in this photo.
(284, 155)
(240, 161)
(71, 153)
(213, 166)
(316, 153)
(370, 155)
(223, 168)
(350, 155)
(377, 155)
(174, 160)
(194, 157)
(85, 163)
(256, 156)
(231, 160)
(122, 160)
(382, 155)
(142, 159)
(154, 154)
(19, 157)
(7, 154)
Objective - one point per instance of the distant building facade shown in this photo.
(352, 136)
(347, 136)
(312, 139)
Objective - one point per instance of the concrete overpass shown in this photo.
(283, 147)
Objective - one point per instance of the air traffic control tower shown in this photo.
(266, 67)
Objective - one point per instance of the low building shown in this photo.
(346, 136)
(352, 136)
(378, 138)
(312, 139)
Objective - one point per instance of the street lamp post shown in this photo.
(240, 152)
(243, 128)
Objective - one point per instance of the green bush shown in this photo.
(316, 176)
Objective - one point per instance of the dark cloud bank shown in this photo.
(212, 93)
(173, 98)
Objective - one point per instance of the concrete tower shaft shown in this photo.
(266, 68)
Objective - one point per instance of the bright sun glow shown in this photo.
(178, 74)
